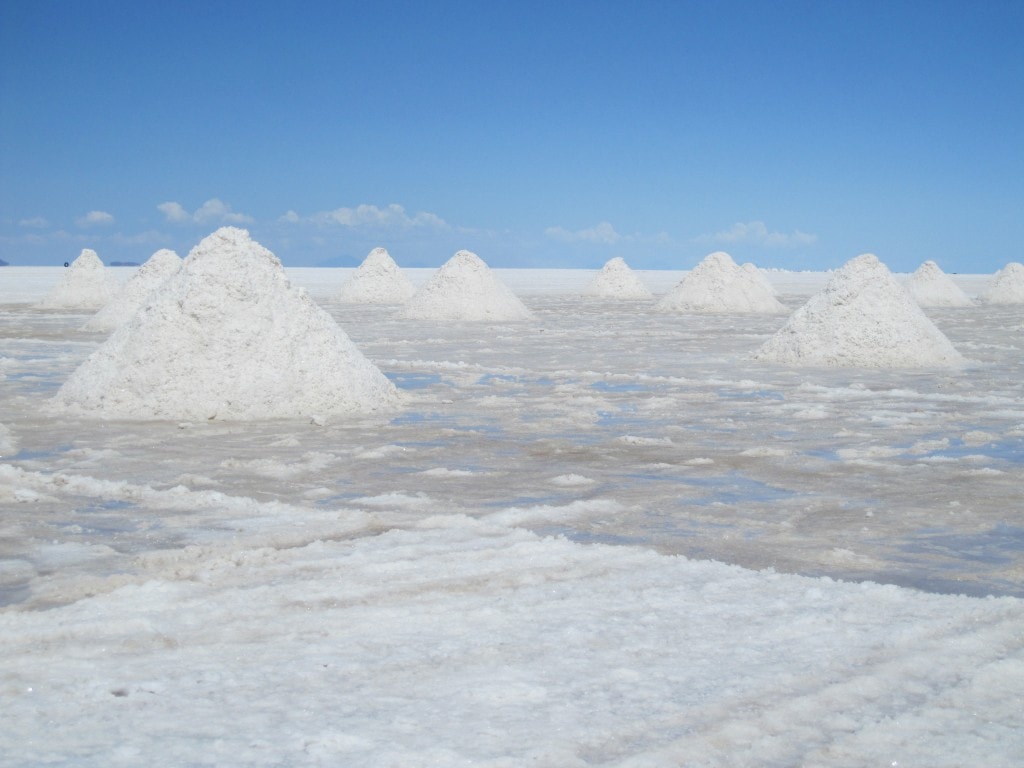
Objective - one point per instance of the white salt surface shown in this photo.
(378, 280)
(226, 337)
(133, 294)
(863, 318)
(1007, 285)
(931, 287)
(616, 280)
(719, 285)
(85, 285)
(517, 568)
(465, 288)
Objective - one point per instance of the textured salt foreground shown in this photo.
(378, 280)
(495, 574)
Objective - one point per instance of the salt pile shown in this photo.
(862, 318)
(226, 337)
(84, 285)
(1007, 285)
(464, 288)
(378, 280)
(617, 281)
(133, 294)
(719, 285)
(931, 287)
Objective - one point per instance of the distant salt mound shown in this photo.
(378, 280)
(719, 286)
(226, 337)
(1007, 285)
(464, 288)
(84, 285)
(133, 294)
(617, 281)
(931, 287)
(755, 274)
(863, 318)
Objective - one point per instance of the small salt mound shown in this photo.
(465, 289)
(1007, 285)
(133, 294)
(718, 286)
(863, 318)
(226, 337)
(931, 287)
(617, 281)
(378, 280)
(84, 285)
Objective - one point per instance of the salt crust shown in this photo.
(863, 318)
(378, 280)
(133, 294)
(1007, 285)
(617, 281)
(719, 286)
(226, 337)
(84, 285)
(465, 288)
(931, 287)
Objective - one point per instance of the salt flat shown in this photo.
(604, 536)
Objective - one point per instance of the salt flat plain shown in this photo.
(490, 575)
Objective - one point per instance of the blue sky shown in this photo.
(791, 134)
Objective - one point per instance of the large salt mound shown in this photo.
(378, 280)
(226, 337)
(1007, 285)
(617, 281)
(931, 287)
(719, 285)
(84, 285)
(464, 288)
(862, 318)
(133, 294)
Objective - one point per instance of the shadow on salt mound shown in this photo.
(84, 285)
(133, 294)
(931, 287)
(863, 318)
(719, 286)
(378, 280)
(465, 288)
(226, 337)
(617, 281)
(1007, 285)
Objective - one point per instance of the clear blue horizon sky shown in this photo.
(790, 134)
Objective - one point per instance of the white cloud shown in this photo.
(372, 216)
(291, 217)
(213, 211)
(602, 233)
(36, 222)
(756, 233)
(93, 218)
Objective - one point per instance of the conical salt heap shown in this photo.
(133, 294)
(617, 281)
(863, 318)
(84, 285)
(464, 288)
(1007, 285)
(226, 337)
(931, 287)
(378, 280)
(719, 286)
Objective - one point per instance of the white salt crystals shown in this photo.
(226, 337)
(378, 280)
(617, 281)
(719, 286)
(931, 287)
(133, 294)
(1007, 285)
(85, 285)
(465, 288)
(862, 318)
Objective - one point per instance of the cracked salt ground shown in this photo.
(385, 589)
